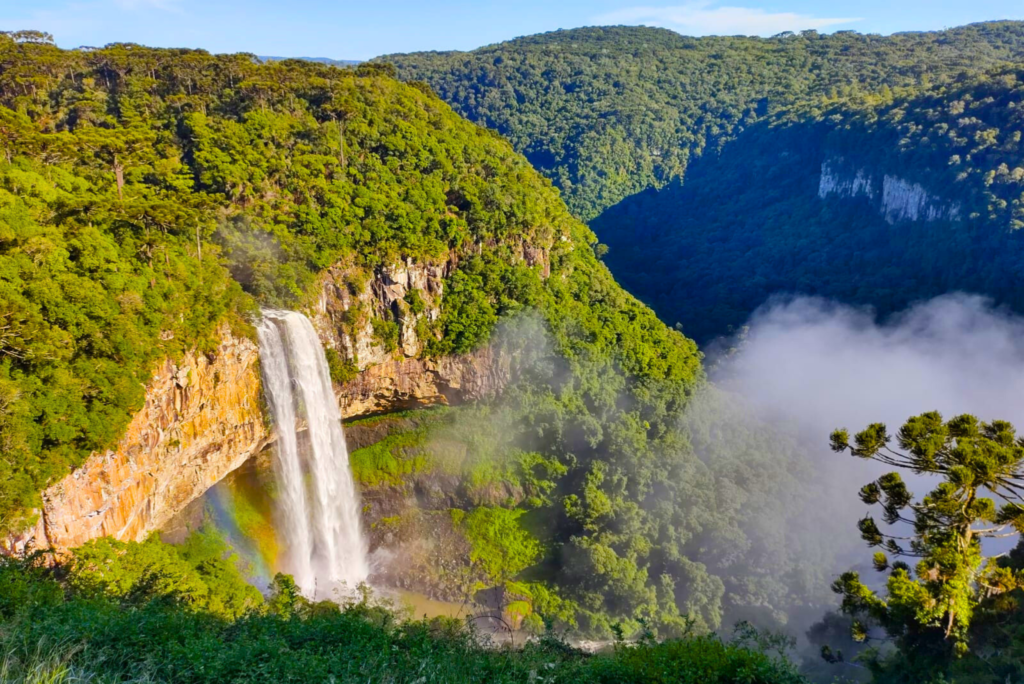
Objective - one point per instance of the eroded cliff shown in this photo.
(201, 420)
(897, 198)
(202, 417)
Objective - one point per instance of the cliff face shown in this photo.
(399, 379)
(897, 199)
(201, 420)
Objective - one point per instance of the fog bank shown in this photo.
(827, 365)
(807, 366)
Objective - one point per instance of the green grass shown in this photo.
(360, 643)
(140, 624)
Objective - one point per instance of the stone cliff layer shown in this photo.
(203, 418)
(897, 199)
(400, 378)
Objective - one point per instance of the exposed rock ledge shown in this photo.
(401, 379)
(897, 200)
(201, 420)
(203, 417)
(399, 384)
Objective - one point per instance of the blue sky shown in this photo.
(345, 29)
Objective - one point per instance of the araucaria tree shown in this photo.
(981, 465)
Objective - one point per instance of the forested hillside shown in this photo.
(151, 198)
(609, 112)
(881, 200)
(149, 195)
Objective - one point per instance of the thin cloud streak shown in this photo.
(704, 18)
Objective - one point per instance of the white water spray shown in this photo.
(318, 506)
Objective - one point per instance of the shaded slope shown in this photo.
(877, 201)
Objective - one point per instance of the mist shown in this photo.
(826, 365)
(805, 366)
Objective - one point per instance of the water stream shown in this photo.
(317, 504)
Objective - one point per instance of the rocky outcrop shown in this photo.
(398, 384)
(897, 199)
(408, 295)
(201, 420)
(834, 181)
(906, 201)
(350, 302)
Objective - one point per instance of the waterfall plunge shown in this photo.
(317, 503)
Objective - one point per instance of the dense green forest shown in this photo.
(749, 223)
(150, 183)
(698, 160)
(610, 112)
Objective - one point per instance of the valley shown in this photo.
(551, 335)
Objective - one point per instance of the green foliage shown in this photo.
(119, 636)
(608, 112)
(386, 462)
(294, 167)
(930, 616)
(141, 185)
(25, 586)
(499, 543)
(91, 297)
(385, 333)
(468, 317)
(342, 370)
(703, 660)
(749, 222)
(202, 574)
(415, 302)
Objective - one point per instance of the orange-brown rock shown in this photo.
(201, 420)
(405, 383)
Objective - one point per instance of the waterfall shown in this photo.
(317, 503)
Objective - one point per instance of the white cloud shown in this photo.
(702, 17)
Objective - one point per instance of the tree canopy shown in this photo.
(166, 192)
(937, 613)
(608, 112)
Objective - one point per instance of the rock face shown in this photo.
(349, 303)
(398, 384)
(906, 201)
(897, 199)
(834, 181)
(201, 420)
(408, 294)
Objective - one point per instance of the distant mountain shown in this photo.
(880, 201)
(607, 112)
(319, 60)
(876, 170)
